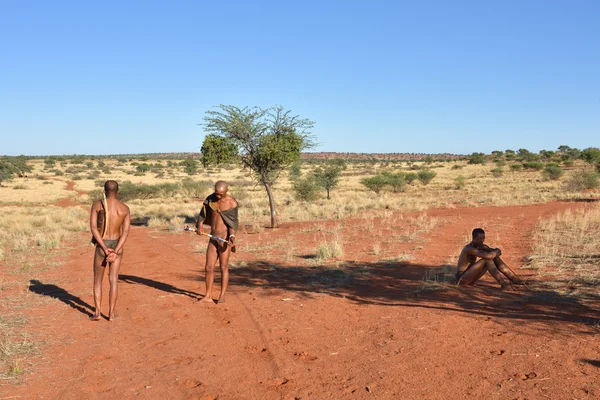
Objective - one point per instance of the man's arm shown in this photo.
(96, 206)
(230, 231)
(126, 228)
(487, 255)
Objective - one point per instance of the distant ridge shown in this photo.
(380, 156)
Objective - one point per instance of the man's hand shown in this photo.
(232, 240)
(111, 255)
(199, 230)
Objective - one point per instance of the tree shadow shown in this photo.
(418, 285)
(165, 287)
(56, 292)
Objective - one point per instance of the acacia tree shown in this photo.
(328, 178)
(265, 141)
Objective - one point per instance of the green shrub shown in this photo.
(553, 172)
(497, 172)
(516, 167)
(411, 177)
(460, 182)
(534, 165)
(426, 176)
(375, 183)
(500, 163)
(397, 181)
(582, 181)
(305, 189)
(456, 166)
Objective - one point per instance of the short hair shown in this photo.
(111, 186)
(478, 231)
(221, 184)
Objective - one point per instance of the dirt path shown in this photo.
(360, 328)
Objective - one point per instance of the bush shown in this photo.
(305, 189)
(477, 158)
(375, 183)
(130, 191)
(582, 181)
(553, 172)
(534, 165)
(411, 177)
(516, 167)
(456, 166)
(426, 176)
(397, 181)
(497, 172)
(192, 188)
(500, 163)
(460, 182)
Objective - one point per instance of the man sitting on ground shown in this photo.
(469, 269)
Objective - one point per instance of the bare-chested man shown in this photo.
(221, 213)
(112, 217)
(469, 269)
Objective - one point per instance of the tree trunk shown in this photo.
(271, 203)
(327, 194)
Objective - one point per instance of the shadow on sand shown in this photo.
(56, 292)
(165, 287)
(404, 285)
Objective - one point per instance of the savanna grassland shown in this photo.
(319, 244)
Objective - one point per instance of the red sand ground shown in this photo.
(360, 329)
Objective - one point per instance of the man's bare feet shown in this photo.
(221, 300)
(112, 318)
(507, 286)
(207, 299)
(95, 317)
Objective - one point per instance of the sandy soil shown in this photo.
(359, 327)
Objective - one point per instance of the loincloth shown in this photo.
(111, 244)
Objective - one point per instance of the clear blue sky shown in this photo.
(396, 76)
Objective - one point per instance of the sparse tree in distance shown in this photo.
(328, 177)
(267, 141)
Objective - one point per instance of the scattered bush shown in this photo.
(533, 165)
(411, 177)
(516, 167)
(553, 172)
(426, 176)
(582, 181)
(305, 189)
(460, 182)
(497, 172)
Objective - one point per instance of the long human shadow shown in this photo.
(595, 363)
(56, 292)
(165, 287)
(389, 283)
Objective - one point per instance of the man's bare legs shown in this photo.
(476, 270)
(224, 253)
(215, 251)
(99, 265)
(211, 260)
(113, 277)
(502, 267)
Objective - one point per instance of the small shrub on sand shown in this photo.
(328, 250)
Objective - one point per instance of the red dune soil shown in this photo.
(362, 328)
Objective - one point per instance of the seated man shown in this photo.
(469, 269)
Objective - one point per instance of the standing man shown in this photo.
(110, 222)
(220, 211)
(469, 269)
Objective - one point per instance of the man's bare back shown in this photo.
(109, 247)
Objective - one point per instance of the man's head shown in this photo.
(478, 237)
(111, 187)
(221, 188)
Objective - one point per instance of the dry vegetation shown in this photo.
(567, 248)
